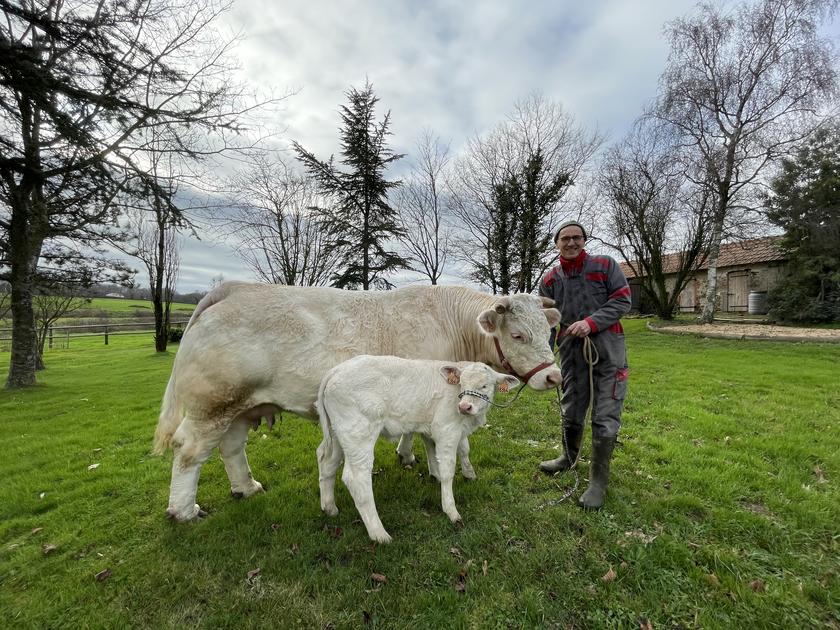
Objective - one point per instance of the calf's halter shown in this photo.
(509, 368)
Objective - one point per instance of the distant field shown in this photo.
(120, 306)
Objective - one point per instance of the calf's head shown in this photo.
(478, 383)
(521, 325)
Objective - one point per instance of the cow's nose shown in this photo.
(465, 407)
(553, 378)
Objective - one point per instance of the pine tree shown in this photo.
(805, 202)
(362, 222)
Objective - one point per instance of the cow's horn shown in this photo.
(547, 302)
(502, 306)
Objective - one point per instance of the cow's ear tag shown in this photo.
(504, 387)
(453, 379)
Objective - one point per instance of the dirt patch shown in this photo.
(751, 331)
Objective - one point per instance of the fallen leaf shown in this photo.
(48, 549)
(37, 530)
(294, 548)
(609, 576)
(42, 495)
(623, 565)
(378, 578)
(103, 575)
(820, 475)
(757, 586)
(484, 567)
(713, 579)
(275, 527)
(644, 624)
(253, 573)
(97, 450)
(456, 552)
(93, 466)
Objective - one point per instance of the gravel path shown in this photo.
(752, 331)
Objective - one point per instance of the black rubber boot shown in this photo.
(572, 436)
(599, 473)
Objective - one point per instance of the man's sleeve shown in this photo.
(618, 300)
(547, 289)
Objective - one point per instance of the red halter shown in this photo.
(507, 366)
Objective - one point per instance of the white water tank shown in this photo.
(757, 303)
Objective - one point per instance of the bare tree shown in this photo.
(276, 231)
(510, 191)
(423, 202)
(657, 219)
(50, 306)
(742, 89)
(79, 84)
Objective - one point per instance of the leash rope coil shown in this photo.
(591, 356)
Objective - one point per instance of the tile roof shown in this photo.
(756, 250)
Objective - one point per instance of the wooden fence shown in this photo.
(59, 336)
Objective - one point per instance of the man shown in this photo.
(592, 294)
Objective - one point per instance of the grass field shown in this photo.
(723, 509)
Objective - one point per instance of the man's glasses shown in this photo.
(577, 238)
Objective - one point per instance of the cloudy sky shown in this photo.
(454, 67)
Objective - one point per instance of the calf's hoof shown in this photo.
(469, 474)
(383, 538)
(330, 510)
(184, 517)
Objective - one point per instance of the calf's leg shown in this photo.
(192, 444)
(431, 455)
(232, 449)
(464, 456)
(446, 449)
(330, 457)
(358, 466)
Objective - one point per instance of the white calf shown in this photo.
(369, 396)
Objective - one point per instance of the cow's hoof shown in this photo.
(469, 474)
(190, 515)
(458, 523)
(383, 538)
(330, 510)
(407, 461)
(250, 491)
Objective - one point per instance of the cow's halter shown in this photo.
(507, 366)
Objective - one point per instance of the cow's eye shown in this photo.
(517, 336)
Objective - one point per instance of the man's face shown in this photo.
(570, 241)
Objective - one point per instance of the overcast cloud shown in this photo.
(456, 68)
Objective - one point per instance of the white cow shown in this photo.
(252, 350)
(366, 397)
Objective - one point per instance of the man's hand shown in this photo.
(579, 329)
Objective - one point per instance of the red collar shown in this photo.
(575, 265)
(509, 368)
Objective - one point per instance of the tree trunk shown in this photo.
(24, 357)
(708, 314)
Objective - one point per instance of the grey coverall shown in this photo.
(598, 292)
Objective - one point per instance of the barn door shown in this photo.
(738, 293)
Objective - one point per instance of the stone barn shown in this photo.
(746, 271)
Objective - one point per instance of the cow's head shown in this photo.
(478, 384)
(521, 325)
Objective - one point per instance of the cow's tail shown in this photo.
(169, 420)
(326, 447)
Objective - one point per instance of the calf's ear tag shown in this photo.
(453, 379)
(504, 387)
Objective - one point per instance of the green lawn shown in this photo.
(723, 511)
